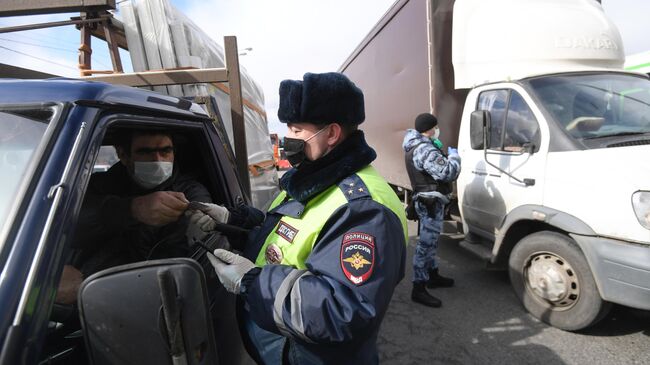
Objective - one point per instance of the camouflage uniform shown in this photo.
(428, 158)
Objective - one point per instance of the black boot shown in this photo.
(420, 295)
(438, 281)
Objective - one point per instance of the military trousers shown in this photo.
(431, 218)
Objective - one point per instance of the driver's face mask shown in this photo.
(294, 148)
(150, 174)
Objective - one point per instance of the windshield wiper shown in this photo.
(617, 135)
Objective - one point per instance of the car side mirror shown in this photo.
(479, 126)
(528, 148)
(153, 312)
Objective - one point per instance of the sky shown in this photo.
(287, 37)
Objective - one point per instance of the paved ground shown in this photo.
(482, 322)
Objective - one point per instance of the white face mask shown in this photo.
(436, 134)
(151, 174)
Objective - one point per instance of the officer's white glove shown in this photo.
(194, 231)
(216, 212)
(230, 269)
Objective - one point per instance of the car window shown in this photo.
(95, 247)
(106, 158)
(521, 125)
(495, 101)
(21, 133)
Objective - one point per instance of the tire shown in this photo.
(552, 279)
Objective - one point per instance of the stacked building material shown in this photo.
(161, 37)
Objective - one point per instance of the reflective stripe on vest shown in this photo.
(292, 239)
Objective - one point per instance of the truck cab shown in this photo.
(554, 185)
(551, 131)
(51, 134)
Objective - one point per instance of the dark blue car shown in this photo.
(51, 134)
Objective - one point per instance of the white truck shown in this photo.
(554, 138)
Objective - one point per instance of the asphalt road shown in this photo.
(482, 322)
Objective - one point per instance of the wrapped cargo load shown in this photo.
(162, 37)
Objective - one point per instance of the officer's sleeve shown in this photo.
(430, 159)
(345, 290)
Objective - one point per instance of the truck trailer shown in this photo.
(552, 132)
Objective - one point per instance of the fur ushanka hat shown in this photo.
(321, 99)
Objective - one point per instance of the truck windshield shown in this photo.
(21, 132)
(591, 106)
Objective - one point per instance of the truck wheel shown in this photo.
(551, 277)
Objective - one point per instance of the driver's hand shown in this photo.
(159, 208)
(69, 284)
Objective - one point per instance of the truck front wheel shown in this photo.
(551, 277)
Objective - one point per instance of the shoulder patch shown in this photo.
(273, 254)
(354, 188)
(286, 231)
(357, 256)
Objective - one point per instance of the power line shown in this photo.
(37, 45)
(55, 48)
(38, 58)
(38, 35)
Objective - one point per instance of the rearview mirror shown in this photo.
(153, 312)
(479, 125)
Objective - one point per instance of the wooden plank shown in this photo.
(117, 32)
(237, 111)
(85, 50)
(31, 7)
(112, 47)
(167, 77)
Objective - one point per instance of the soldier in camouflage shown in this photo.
(431, 172)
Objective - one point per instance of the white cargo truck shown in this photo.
(553, 134)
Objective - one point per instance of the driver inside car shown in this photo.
(138, 209)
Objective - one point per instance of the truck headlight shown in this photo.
(641, 205)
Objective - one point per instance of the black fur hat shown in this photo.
(424, 122)
(321, 99)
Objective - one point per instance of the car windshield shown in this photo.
(21, 132)
(590, 106)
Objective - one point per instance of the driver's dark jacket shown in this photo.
(108, 235)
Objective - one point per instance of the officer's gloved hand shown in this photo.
(197, 220)
(452, 151)
(230, 269)
(216, 212)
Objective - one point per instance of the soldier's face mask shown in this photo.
(150, 174)
(294, 148)
(436, 134)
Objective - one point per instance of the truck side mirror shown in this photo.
(154, 312)
(478, 128)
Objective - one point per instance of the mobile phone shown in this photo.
(196, 206)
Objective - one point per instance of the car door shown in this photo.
(510, 172)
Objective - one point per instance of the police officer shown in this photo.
(431, 172)
(317, 275)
